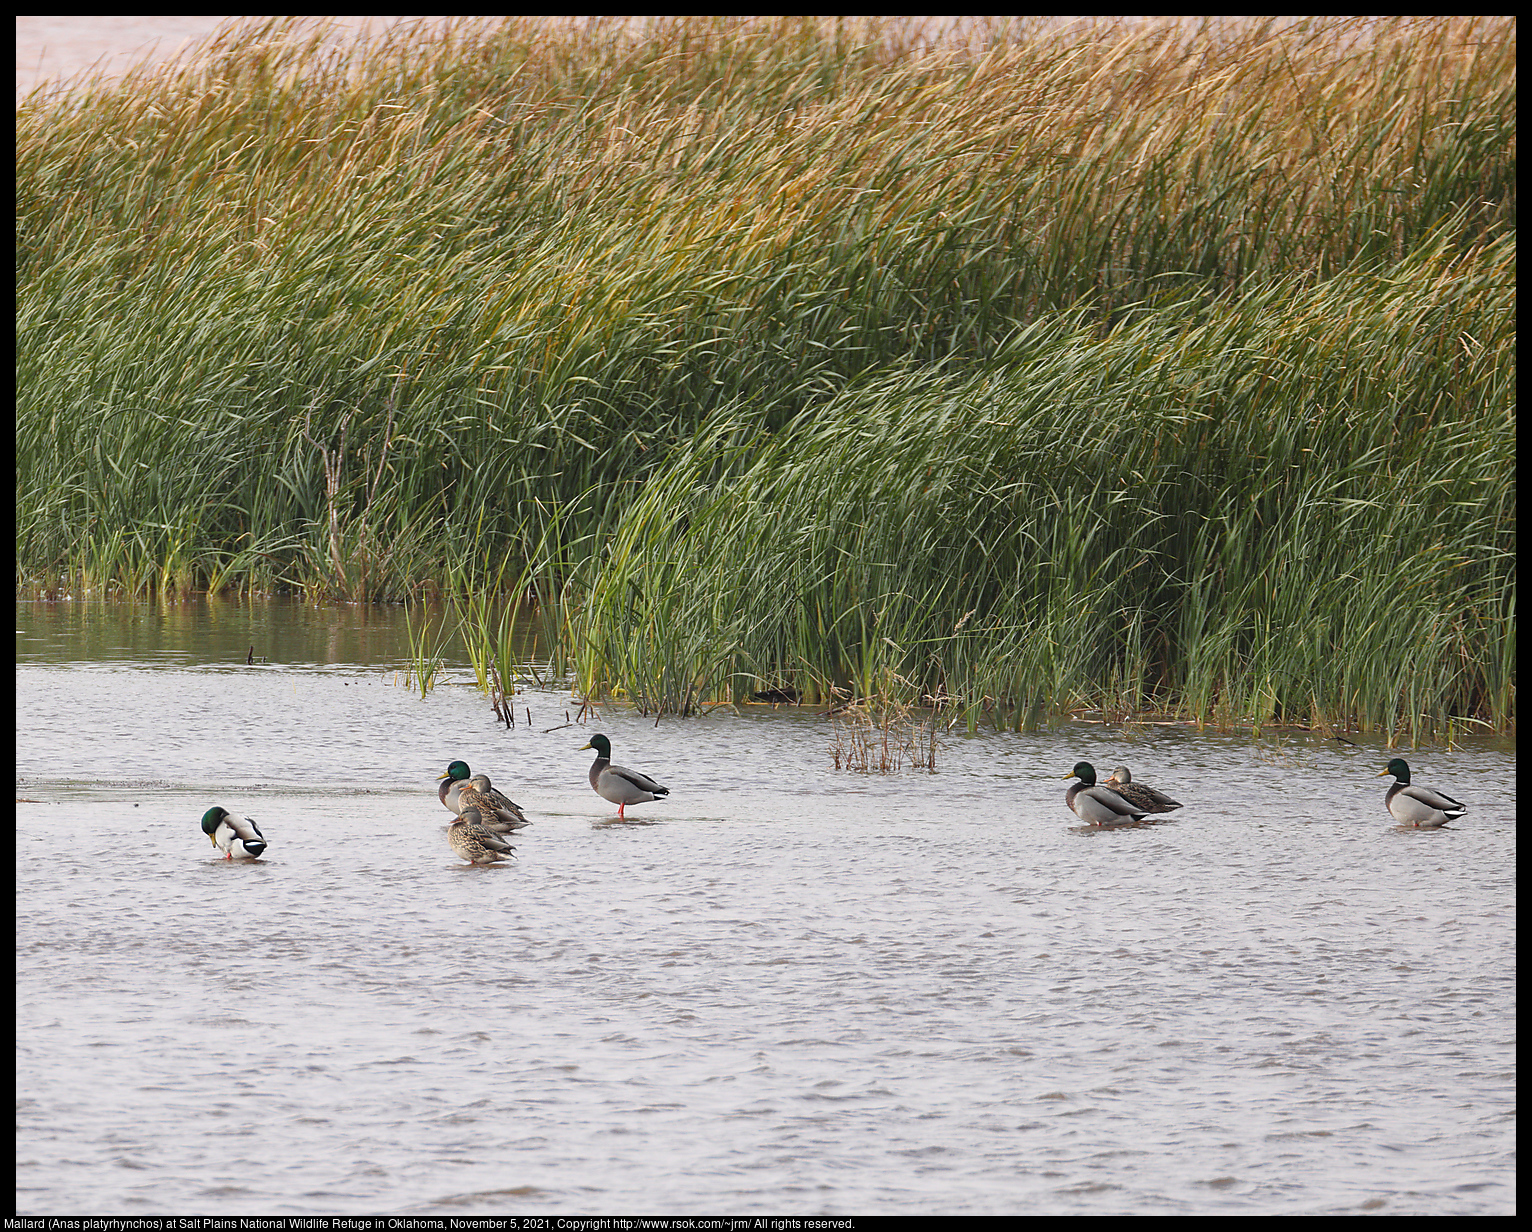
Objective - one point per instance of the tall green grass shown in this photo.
(1130, 364)
(1225, 513)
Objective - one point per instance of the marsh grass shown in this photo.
(1236, 543)
(1144, 366)
(883, 738)
(426, 661)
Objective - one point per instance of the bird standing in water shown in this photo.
(617, 783)
(1414, 805)
(239, 838)
(499, 812)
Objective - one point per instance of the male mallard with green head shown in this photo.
(1414, 805)
(617, 783)
(239, 838)
(501, 814)
(1100, 806)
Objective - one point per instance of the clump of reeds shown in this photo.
(883, 738)
(1163, 362)
(425, 662)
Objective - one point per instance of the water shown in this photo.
(785, 990)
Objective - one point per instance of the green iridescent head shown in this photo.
(211, 821)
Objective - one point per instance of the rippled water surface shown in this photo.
(785, 990)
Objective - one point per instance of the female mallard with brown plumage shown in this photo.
(473, 842)
(1147, 798)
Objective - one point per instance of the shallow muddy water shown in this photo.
(784, 990)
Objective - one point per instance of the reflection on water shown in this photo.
(783, 990)
(280, 632)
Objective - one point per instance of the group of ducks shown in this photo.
(1120, 800)
(486, 816)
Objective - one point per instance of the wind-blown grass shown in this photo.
(1139, 364)
(1224, 513)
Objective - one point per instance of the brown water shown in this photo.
(785, 990)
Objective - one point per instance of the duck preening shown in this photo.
(239, 838)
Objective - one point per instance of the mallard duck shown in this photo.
(238, 838)
(498, 815)
(1416, 805)
(452, 780)
(501, 801)
(1147, 798)
(617, 783)
(502, 814)
(1100, 806)
(473, 842)
(449, 781)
